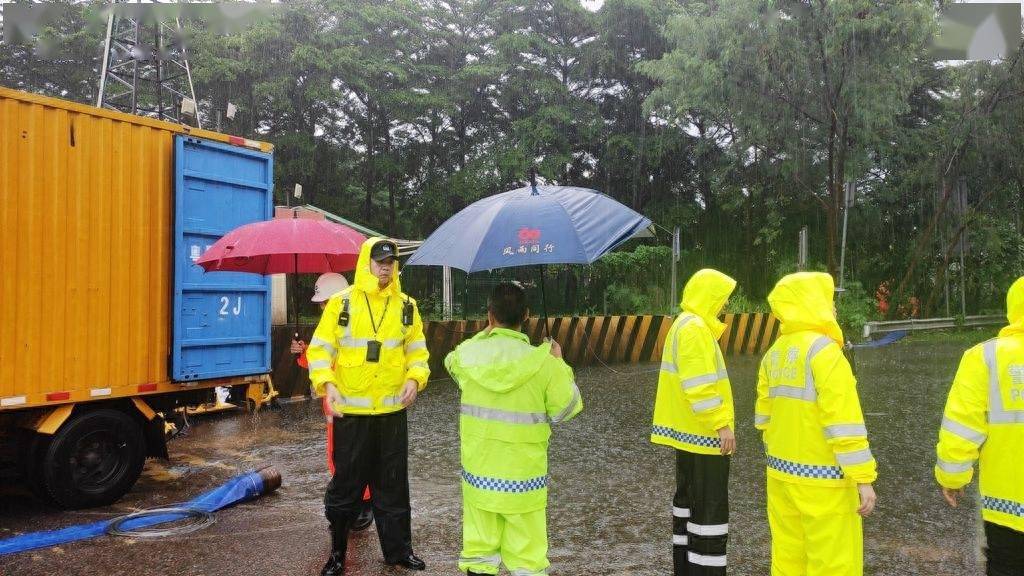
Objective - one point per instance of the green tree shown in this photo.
(63, 61)
(806, 87)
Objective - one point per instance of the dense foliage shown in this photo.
(737, 120)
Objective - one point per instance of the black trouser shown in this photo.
(1004, 550)
(374, 451)
(700, 514)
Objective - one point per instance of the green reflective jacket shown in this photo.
(511, 393)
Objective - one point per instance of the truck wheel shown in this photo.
(33, 449)
(93, 459)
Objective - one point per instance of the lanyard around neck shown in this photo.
(369, 311)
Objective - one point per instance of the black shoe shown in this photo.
(412, 562)
(335, 565)
(471, 573)
(364, 520)
(339, 544)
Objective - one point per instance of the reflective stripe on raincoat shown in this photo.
(984, 421)
(807, 403)
(337, 354)
(694, 397)
(511, 394)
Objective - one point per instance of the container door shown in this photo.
(221, 319)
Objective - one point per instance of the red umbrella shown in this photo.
(285, 246)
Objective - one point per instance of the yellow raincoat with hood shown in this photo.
(337, 354)
(984, 421)
(814, 435)
(694, 397)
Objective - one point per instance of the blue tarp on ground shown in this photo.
(238, 489)
(890, 338)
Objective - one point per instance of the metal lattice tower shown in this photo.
(146, 70)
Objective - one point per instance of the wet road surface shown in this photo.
(610, 498)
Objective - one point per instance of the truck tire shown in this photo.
(94, 459)
(33, 450)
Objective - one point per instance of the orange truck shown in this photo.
(106, 323)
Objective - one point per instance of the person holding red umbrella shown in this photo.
(295, 246)
(327, 285)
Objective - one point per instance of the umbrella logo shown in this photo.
(529, 236)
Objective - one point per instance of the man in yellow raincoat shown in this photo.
(369, 356)
(693, 413)
(511, 394)
(984, 418)
(820, 467)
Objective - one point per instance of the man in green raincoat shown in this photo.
(511, 394)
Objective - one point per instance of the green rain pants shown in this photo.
(518, 540)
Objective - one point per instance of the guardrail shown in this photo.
(930, 324)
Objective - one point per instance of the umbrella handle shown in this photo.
(543, 303)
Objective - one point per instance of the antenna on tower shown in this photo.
(146, 70)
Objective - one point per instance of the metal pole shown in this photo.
(135, 69)
(674, 294)
(294, 288)
(961, 201)
(158, 82)
(446, 293)
(945, 241)
(106, 58)
(847, 200)
(801, 258)
(188, 73)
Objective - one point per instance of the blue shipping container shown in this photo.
(221, 319)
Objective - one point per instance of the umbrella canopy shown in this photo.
(531, 226)
(285, 246)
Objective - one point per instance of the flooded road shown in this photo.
(610, 497)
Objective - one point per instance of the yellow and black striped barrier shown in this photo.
(585, 341)
(609, 339)
(748, 333)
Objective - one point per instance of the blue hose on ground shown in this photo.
(238, 489)
(890, 338)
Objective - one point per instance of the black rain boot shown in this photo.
(339, 544)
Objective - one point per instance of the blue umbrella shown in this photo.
(533, 225)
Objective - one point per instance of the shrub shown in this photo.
(854, 308)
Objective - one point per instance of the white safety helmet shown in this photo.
(328, 285)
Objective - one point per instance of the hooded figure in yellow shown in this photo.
(369, 356)
(511, 394)
(820, 468)
(693, 413)
(984, 422)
